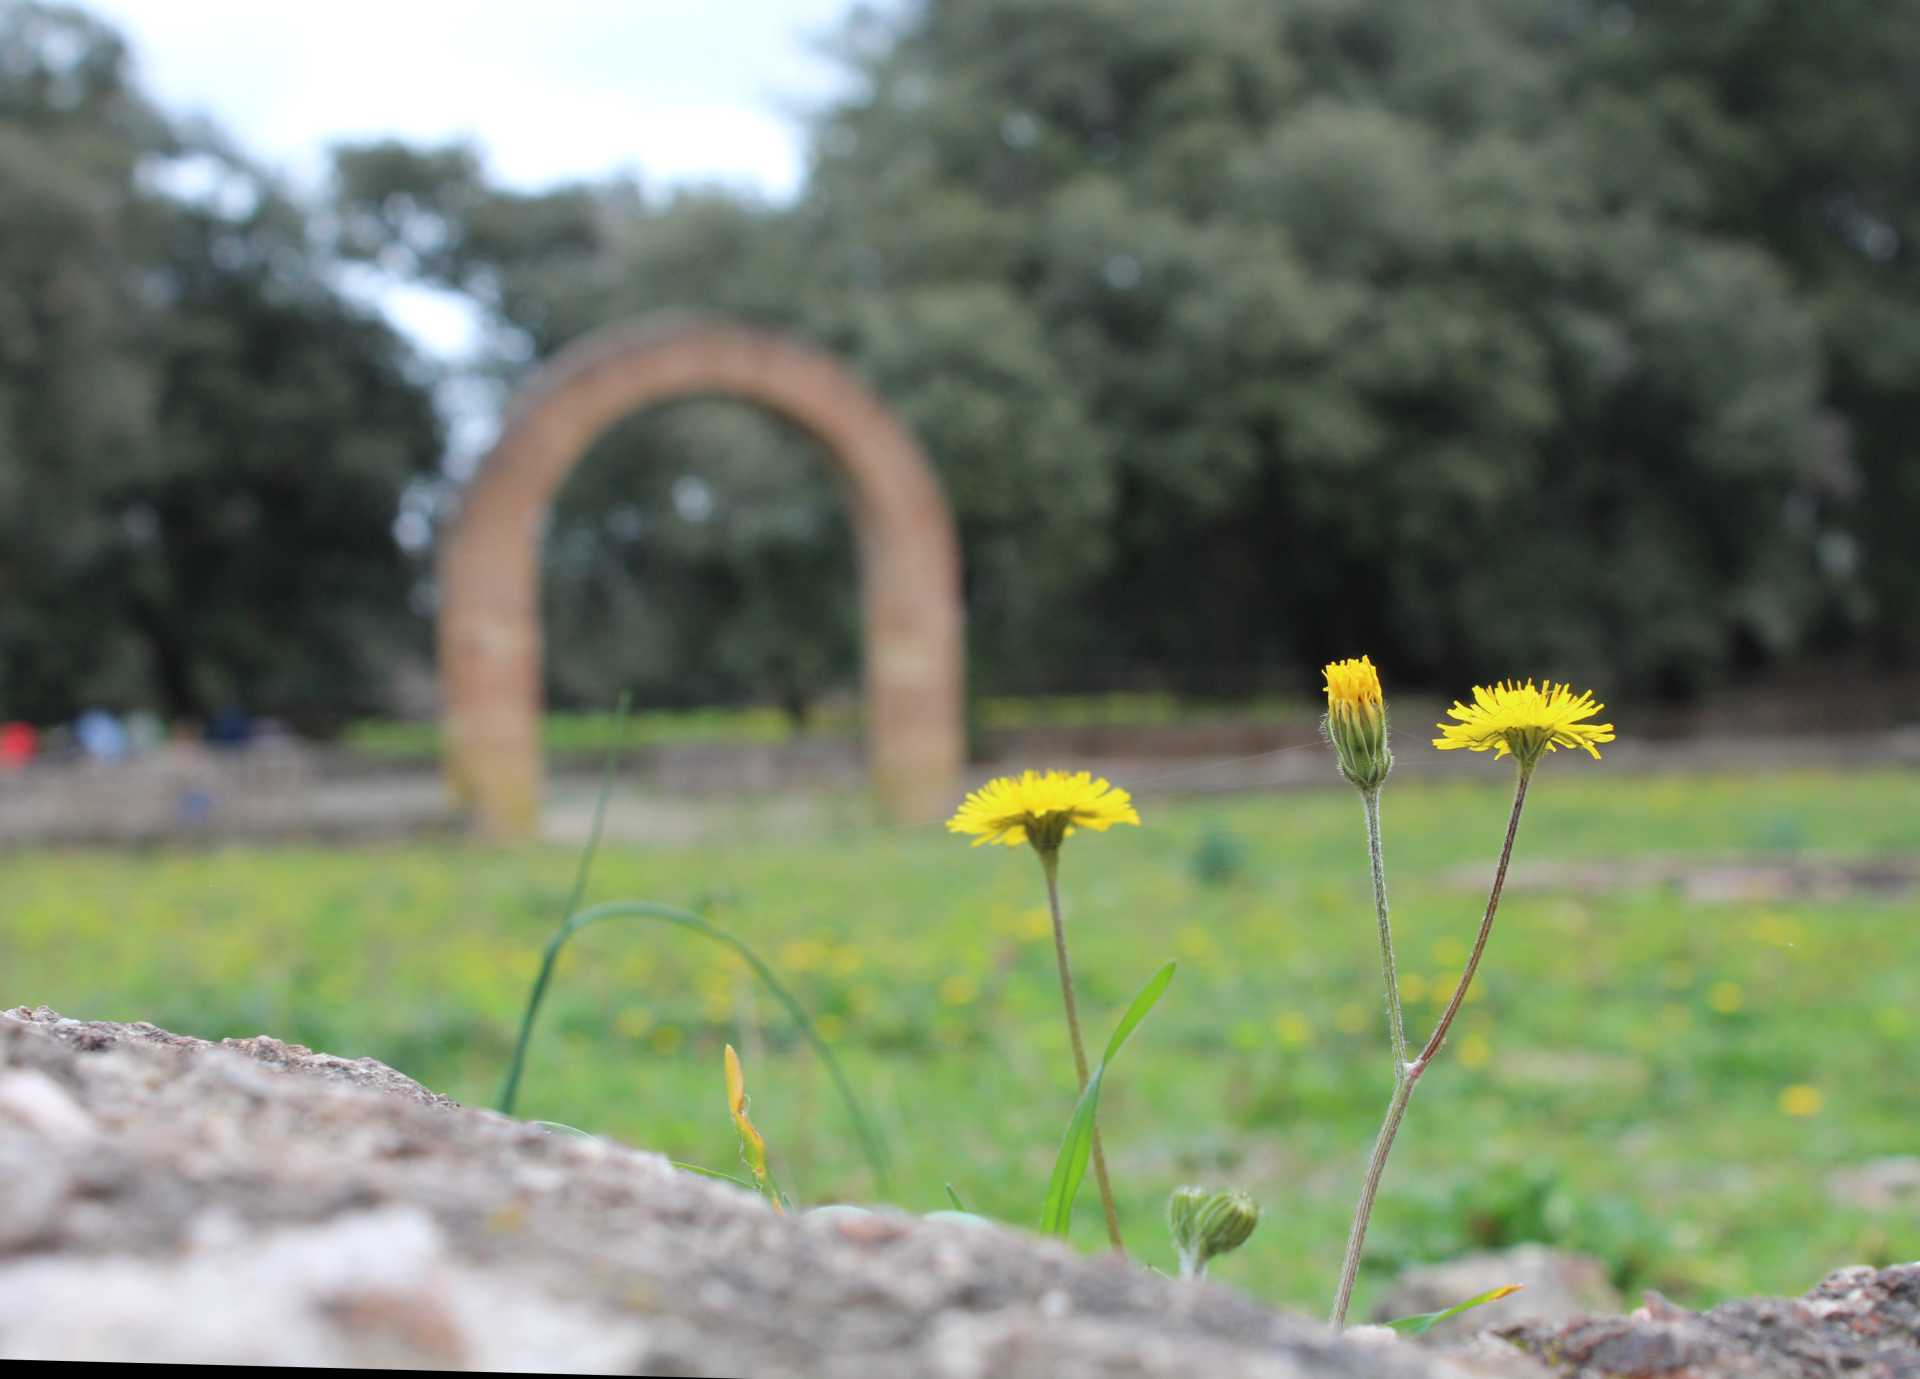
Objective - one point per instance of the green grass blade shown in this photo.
(510, 1090)
(554, 1127)
(1426, 1321)
(954, 1198)
(1149, 995)
(870, 1141)
(1075, 1149)
(714, 1173)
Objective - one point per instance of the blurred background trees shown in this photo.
(202, 443)
(1485, 335)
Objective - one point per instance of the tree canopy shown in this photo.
(203, 442)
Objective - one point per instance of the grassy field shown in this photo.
(1664, 1082)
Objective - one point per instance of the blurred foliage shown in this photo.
(203, 444)
(1481, 332)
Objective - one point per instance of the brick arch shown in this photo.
(909, 556)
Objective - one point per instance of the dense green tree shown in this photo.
(203, 443)
(1376, 347)
(1796, 129)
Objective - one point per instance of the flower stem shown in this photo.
(1050, 863)
(1486, 925)
(1403, 1081)
(1396, 1022)
(1407, 1075)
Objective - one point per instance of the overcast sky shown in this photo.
(677, 90)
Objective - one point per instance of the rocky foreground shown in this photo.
(166, 1199)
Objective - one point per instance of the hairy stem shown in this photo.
(1050, 863)
(1396, 1022)
(1376, 1168)
(1486, 924)
(1407, 1075)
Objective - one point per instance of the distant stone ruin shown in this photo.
(490, 643)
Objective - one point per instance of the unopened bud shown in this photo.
(1181, 1207)
(1207, 1224)
(1356, 722)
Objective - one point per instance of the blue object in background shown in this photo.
(101, 735)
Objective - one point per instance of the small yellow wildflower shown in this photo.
(1801, 1100)
(1041, 809)
(1293, 1030)
(1475, 1049)
(1522, 721)
(1726, 998)
(1356, 722)
(959, 989)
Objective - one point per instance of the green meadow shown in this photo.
(1667, 1082)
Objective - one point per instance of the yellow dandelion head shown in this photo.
(1354, 683)
(1356, 722)
(1041, 808)
(1511, 719)
(1801, 1100)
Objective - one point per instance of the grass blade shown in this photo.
(713, 1173)
(1426, 1321)
(954, 1198)
(510, 1092)
(1075, 1149)
(870, 1142)
(753, 1145)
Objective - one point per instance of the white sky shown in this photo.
(676, 90)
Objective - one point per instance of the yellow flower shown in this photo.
(1519, 720)
(1041, 809)
(1801, 1100)
(1356, 722)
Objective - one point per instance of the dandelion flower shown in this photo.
(1041, 808)
(1356, 722)
(1801, 1100)
(1512, 719)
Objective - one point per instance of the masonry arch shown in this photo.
(489, 581)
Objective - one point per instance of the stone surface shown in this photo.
(1556, 1286)
(166, 1199)
(489, 632)
(1862, 1323)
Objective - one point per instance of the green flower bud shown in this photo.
(1182, 1205)
(1207, 1224)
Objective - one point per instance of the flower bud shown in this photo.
(1356, 722)
(1206, 1224)
(1181, 1206)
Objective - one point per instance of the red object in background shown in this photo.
(17, 744)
